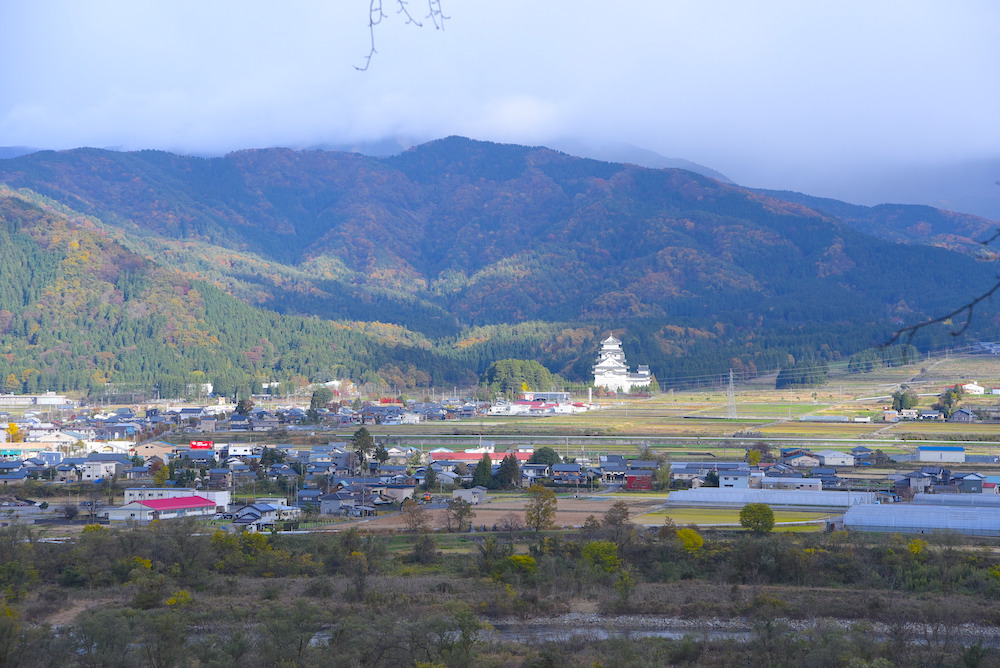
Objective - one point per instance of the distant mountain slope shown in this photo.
(15, 151)
(906, 223)
(628, 153)
(456, 233)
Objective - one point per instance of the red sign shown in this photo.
(202, 445)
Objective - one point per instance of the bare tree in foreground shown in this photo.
(376, 15)
(968, 309)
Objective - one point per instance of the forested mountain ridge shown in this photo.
(80, 310)
(473, 252)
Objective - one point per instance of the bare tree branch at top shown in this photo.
(968, 309)
(376, 15)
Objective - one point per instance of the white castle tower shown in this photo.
(611, 371)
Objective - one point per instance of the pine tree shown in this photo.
(483, 475)
(509, 473)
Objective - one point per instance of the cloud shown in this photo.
(767, 92)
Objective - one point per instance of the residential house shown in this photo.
(566, 473)
(475, 495)
(968, 483)
(827, 474)
(221, 478)
(734, 479)
(68, 471)
(14, 477)
(308, 497)
(264, 424)
(534, 472)
(835, 458)
(403, 455)
(963, 415)
(915, 482)
(92, 470)
(690, 471)
(282, 472)
(397, 493)
(242, 473)
(613, 472)
(861, 453)
(798, 457)
(637, 480)
(336, 503)
(10, 465)
(264, 516)
(138, 473)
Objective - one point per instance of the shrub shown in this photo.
(179, 599)
(690, 540)
(603, 555)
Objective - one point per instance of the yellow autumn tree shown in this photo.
(14, 433)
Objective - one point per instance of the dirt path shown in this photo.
(66, 616)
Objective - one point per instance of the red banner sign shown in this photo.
(202, 445)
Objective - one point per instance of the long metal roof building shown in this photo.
(716, 497)
(964, 500)
(924, 518)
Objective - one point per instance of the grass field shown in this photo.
(712, 516)
(767, 410)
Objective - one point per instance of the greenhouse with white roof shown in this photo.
(716, 497)
(971, 520)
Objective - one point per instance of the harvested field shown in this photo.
(571, 512)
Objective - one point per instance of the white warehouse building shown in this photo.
(941, 453)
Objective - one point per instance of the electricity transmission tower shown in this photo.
(730, 399)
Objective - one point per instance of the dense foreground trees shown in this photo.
(169, 595)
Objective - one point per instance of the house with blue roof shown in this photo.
(14, 477)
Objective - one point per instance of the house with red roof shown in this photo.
(474, 457)
(145, 511)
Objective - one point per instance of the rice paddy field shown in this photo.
(692, 424)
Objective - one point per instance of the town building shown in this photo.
(143, 512)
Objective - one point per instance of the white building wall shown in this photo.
(836, 458)
(952, 456)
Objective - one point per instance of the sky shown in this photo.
(780, 94)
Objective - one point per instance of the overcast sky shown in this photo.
(771, 93)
